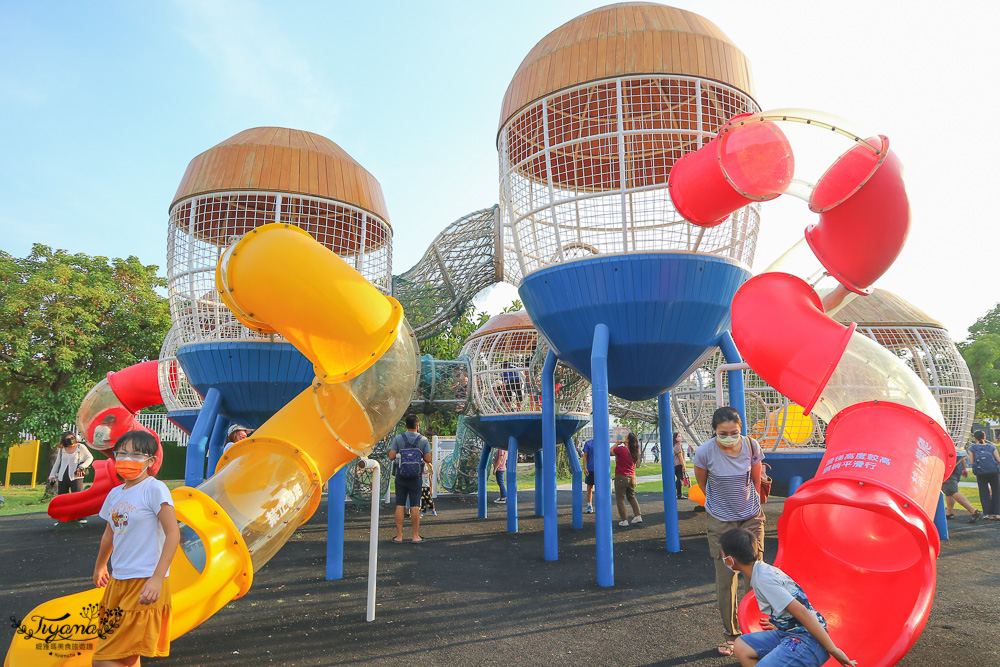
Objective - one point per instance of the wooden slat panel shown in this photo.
(632, 38)
(283, 160)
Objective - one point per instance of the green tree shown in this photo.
(644, 431)
(983, 358)
(66, 320)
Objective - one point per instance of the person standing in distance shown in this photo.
(986, 467)
(71, 464)
(409, 475)
(500, 471)
(588, 466)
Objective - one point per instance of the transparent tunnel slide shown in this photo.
(365, 357)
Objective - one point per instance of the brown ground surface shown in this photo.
(474, 594)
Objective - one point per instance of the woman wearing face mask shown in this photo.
(728, 469)
(72, 461)
(140, 540)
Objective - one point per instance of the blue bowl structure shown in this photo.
(255, 380)
(527, 428)
(664, 312)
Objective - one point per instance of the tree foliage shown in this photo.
(448, 345)
(645, 431)
(982, 354)
(66, 320)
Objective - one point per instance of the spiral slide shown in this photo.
(120, 395)
(859, 537)
(267, 485)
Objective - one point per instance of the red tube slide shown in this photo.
(113, 402)
(859, 537)
(864, 211)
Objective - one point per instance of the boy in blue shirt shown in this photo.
(794, 634)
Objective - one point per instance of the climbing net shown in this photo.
(460, 262)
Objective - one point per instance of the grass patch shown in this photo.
(32, 500)
(23, 500)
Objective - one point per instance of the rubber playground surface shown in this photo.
(474, 594)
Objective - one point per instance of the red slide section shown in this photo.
(860, 538)
(121, 395)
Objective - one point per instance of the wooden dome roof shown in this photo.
(626, 39)
(885, 309)
(504, 322)
(283, 160)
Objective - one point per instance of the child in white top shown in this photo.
(794, 634)
(140, 540)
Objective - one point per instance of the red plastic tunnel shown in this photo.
(859, 239)
(859, 538)
(783, 334)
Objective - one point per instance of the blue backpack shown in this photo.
(984, 462)
(411, 459)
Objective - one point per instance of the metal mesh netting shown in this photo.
(931, 353)
(359, 482)
(202, 227)
(460, 470)
(177, 392)
(460, 262)
(780, 424)
(502, 381)
(584, 172)
(443, 386)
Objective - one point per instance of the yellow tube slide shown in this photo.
(269, 484)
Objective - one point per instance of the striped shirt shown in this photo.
(730, 494)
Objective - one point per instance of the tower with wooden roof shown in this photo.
(258, 176)
(506, 358)
(629, 293)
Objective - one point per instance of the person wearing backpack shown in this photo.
(410, 451)
(986, 467)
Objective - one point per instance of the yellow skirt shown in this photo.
(132, 628)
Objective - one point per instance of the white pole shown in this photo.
(719, 370)
(370, 464)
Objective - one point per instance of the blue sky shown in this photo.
(103, 104)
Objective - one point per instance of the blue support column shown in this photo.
(194, 462)
(335, 524)
(217, 442)
(793, 485)
(512, 485)
(737, 398)
(484, 464)
(670, 523)
(940, 518)
(549, 509)
(602, 457)
(574, 466)
(539, 457)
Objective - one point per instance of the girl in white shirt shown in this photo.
(140, 541)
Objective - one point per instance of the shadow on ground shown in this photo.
(474, 594)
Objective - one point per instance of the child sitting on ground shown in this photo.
(794, 633)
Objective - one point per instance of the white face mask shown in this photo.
(730, 563)
(727, 440)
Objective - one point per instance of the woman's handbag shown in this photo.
(765, 480)
(765, 483)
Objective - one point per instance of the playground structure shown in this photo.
(865, 519)
(509, 368)
(630, 197)
(586, 146)
(796, 442)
